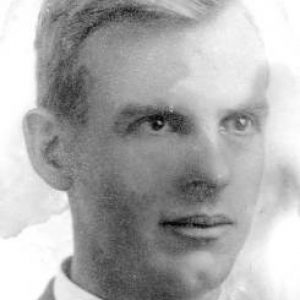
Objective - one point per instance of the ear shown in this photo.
(45, 139)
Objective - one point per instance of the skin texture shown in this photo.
(175, 129)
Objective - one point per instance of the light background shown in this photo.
(35, 231)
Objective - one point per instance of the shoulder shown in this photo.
(48, 293)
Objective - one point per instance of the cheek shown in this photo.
(246, 182)
(253, 168)
(148, 168)
(248, 163)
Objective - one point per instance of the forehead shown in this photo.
(226, 57)
(212, 59)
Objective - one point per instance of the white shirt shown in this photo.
(65, 289)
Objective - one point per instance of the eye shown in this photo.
(156, 123)
(239, 124)
(160, 124)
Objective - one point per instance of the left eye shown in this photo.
(239, 124)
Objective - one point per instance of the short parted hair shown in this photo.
(63, 27)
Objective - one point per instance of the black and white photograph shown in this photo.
(150, 150)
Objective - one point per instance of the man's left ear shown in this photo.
(46, 143)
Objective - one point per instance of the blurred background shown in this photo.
(35, 225)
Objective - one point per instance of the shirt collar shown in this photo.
(65, 289)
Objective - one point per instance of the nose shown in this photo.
(207, 168)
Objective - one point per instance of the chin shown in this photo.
(207, 277)
(193, 276)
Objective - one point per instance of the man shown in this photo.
(151, 117)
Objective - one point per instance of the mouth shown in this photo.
(199, 227)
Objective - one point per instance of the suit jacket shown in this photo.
(48, 293)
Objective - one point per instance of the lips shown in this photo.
(198, 226)
(200, 221)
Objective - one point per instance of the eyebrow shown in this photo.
(261, 108)
(133, 110)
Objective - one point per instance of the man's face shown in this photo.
(169, 167)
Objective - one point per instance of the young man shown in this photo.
(151, 117)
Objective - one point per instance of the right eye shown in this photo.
(152, 125)
(156, 123)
